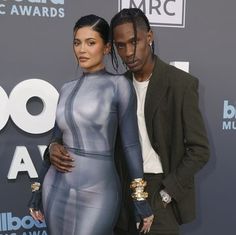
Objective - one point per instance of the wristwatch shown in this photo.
(165, 197)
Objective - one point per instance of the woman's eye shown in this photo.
(91, 43)
(76, 43)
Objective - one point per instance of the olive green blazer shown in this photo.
(176, 131)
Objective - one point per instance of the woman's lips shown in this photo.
(83, 59)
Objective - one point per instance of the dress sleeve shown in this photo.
(127, 106)
(128, 126)
(35, 201)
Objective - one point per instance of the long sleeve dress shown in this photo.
(86, 201)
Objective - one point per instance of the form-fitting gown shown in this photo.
(86, 201)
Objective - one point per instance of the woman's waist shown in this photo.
(106, 154)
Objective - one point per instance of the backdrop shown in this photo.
(36, 58)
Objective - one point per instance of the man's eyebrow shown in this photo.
(130, 39)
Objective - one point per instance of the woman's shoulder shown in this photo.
(114, 75)
(68, 85)
(119, 78)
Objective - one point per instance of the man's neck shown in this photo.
(146, 72)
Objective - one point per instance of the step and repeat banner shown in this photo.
(36, 58)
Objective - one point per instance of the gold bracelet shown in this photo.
(139, 182)
(137, 185)
(139, 196)
(35, 186)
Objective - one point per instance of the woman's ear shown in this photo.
(107, 48)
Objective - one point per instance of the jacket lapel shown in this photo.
(156, 90)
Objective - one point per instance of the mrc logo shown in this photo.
(163, 13)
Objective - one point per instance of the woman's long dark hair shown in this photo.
(97, 23)
(128, 15)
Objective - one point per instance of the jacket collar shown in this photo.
(156, 90)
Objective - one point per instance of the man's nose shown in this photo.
(129, 50)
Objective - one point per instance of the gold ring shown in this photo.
(148, 221)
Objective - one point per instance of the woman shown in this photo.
(86, 201)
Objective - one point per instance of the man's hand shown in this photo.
(60, 158)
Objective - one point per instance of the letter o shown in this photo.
(4, 110)
(21, 93)
(27, 222)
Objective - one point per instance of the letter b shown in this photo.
(229, 110)
(14, 223)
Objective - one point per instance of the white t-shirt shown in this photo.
(151, 160)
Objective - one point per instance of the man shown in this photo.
(172, 134)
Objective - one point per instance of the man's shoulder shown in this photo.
(177, 77)
(176, 74)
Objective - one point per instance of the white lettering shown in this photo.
(2, 12)
(21, 162)
(58, 1)
(36, 11)
(21, 93)
(183, 65)
(167, 13)
(166, 10)
(8, 222)
(229, 110)
(61, 12)
(61, 2)
(226, 125)
(42, 148)
(45, 12)
(4, 110)
(14, 10)
(53, 12)
(25, 10)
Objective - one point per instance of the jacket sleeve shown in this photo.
(195, 143)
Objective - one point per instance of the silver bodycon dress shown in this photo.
(86, 201)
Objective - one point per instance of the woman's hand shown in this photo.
(146, 224)
(36, 214)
